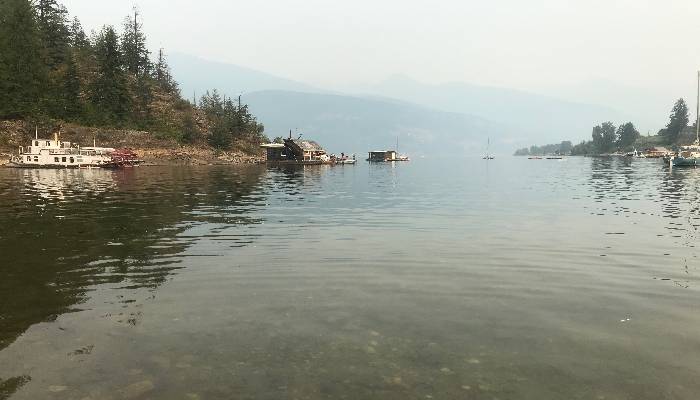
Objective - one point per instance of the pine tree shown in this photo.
(163, 75)
(78, 39)
(133, 46)
(71, 92)
(22, 72)
(143, 97)
(52, 19)
(109, 94)
(677, 121)
(627, 134)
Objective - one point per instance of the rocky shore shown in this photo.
(151, 148)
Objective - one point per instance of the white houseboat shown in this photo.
(45, 153)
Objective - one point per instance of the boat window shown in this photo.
(72, 159)
(55, 159)
(29, 158)
(63, 159)
(36, 143)
(48, 143)
(36, 158)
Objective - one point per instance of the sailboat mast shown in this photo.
(697, 115)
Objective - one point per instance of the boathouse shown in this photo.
(274, 151)
(296, 151)
(381, 156)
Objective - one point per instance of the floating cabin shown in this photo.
(385, 156)
(296, 151)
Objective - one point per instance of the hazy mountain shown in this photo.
(455, 117)
(648, 108)
(198, 75)
(531, 118)
(357, 124)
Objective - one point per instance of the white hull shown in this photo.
(43, 153)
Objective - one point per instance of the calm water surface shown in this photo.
(434, 279)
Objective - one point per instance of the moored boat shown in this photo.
(488, 156)
(689, 156)
(385, 156)
(46, 153)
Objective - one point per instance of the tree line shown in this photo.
(50, 69)
(562, 148)
(608, 138)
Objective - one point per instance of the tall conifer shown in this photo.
(22, 70)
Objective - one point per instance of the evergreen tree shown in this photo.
(49, 68)
(133, 46)
(22, 72)
(604, 137)
(52, 19)
(163, 75)
(143, 97)
(627, 134)
(71, 92)
(78, 39)
(189, 129)
(609, 136)
(109, 94)
(677, 121)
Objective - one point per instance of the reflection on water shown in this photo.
(65, 233)
(432, 279)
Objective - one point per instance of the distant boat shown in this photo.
(487, 156)
(387, 155)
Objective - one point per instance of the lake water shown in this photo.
(433, 279)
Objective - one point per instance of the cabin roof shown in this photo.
(272, 145)
(308, 145)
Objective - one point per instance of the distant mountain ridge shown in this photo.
(199, 75)
(424, 115)
(529, 116)
(358, 124)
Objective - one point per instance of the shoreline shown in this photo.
(151, 148)
(186, 155)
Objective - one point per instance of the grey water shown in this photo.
(433, 279)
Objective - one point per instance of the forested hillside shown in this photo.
(52, 73)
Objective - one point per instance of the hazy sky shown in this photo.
(536, 44)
